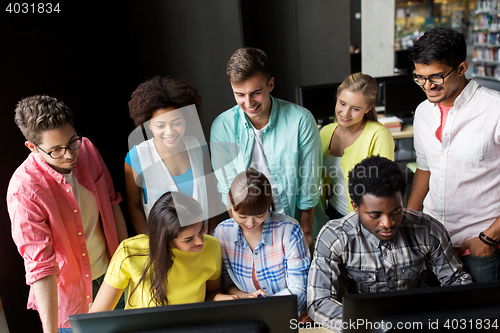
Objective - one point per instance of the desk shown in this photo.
(404, 150)
(406, 132)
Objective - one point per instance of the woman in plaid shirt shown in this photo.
(264, 252)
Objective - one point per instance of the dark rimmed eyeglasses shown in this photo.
(60, 152)
(434, 79)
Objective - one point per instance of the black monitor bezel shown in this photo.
(275, 312)
(426, 305)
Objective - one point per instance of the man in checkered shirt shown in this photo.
(381, 246)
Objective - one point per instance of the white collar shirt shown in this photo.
(464, 185)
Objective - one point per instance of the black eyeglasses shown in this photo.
(434, 79)
(60, 152)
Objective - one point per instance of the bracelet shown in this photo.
(487, 240)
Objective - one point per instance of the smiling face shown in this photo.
(446, 93)
(254, 98)
(191, 239)
(51, 140)
(250, 223)
(168, 126)
(351, 108)
(380, 215)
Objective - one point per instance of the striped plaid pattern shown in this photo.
(345, 251)
(281, 258)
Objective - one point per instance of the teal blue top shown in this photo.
(184, 182)
(292, 147)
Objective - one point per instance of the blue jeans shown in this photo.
(64, 330)
(483, 269)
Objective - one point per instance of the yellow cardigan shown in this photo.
(375, 139)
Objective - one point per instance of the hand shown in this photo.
(478, 248)
(304, 318)
(225, 297)
(256, 293)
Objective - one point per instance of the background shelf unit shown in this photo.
(486, 57)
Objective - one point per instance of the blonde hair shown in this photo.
(367, 86)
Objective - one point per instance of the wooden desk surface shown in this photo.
(406, 132)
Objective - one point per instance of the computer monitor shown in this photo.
(401, 98)
(320, 99)
(402, 61)
(381, 82)
(263, 315)
(432, 309)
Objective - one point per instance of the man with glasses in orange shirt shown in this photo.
(457, 141)
(65, 215)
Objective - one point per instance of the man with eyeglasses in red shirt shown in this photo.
(65, 215)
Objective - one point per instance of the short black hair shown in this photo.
(378, 176)
(440, 44)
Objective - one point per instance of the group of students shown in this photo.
(280, 180)
(264, 251)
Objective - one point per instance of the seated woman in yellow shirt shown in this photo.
(174, 263)
(355, 135)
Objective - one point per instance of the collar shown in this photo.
(274, 113)
(46, 169)
(267, 234)
(267, 231)
(374, 240)
(272, 118)
(466, 94)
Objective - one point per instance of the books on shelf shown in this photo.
(392, 123)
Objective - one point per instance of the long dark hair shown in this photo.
(170, 215)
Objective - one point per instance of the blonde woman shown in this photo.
(355, 135)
